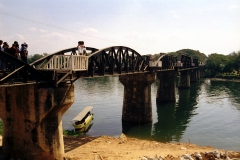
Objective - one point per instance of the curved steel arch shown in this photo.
(117, 60)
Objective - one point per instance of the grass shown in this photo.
(72, 133)
(1, 125)
(65, 132)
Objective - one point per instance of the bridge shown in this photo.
(33, 97)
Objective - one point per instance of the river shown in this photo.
(207, 114)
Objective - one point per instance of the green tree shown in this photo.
(36, 57)
(193, 53)
(215, 64)
(234, 61)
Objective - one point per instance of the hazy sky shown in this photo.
(147, 26)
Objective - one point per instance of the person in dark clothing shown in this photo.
(17, 47)
(5, 47)
(13, 51)
(1, 42)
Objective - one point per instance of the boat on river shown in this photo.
(83, 120)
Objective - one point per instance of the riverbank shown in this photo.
(122, 148)
(222, 79)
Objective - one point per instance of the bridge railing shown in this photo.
(67, 62)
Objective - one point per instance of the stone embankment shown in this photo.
(213, 155)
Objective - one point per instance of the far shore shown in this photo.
(223, 79)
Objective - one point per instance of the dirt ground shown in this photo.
(122, 148)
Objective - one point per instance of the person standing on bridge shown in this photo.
(1, 42)
(5, 47)
(24, 52)
(13, 50)
(17, 47)
(81, 48)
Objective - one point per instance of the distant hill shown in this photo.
(193, 53)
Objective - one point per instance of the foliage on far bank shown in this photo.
(35, 57)
(193, 53)
(220, 65)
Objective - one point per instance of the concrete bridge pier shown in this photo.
(166, 86)
(194, 75)
(137, 104)
(198, 74)
(32, 114)
(184, 79)
(201, 72)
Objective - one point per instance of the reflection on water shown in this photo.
(206, 114)
(136, 130)
(165, 129)
(226, 89)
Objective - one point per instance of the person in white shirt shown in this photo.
(81, 48)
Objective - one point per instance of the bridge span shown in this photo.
(33, 97)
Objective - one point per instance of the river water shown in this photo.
(207, 114)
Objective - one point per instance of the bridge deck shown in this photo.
(65, 66)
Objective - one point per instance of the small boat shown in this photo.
(83, 120)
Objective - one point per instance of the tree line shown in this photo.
(35, 57)
(220, 65)
(216, 65)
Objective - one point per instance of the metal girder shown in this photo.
(117, 60)
(17, 70)
(111, 60)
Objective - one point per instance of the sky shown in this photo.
(147, 26)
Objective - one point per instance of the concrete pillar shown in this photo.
(201, 72)
(32, 120)
(198, 75)
(193, 75)
(137, 104)
(184, 79)
(166, 86)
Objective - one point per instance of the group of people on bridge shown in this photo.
(15, 50)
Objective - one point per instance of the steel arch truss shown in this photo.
(13, 70)
(117, 60)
